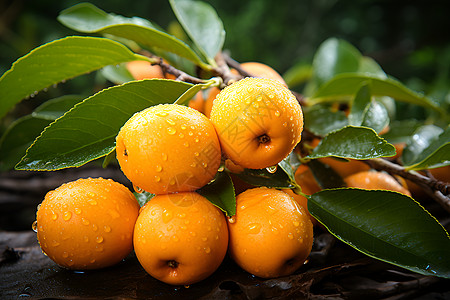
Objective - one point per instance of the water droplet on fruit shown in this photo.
(54, 216)
(175, 238)
(158, 168)
(221, 168)
(77, 211)
(65, 254)
(207, 250)
(85, 221)
(164, 156)
(167, 216)
(171, 130)
(67, 215)
(172, 181)
(196, 154)
(99, 240)
(186, 144)
(92, 202)
(274, 230)
(232, 219)
(277, 113)
(170, 121)
(272, 169)
(183, 127)
(181, 135)
(86, 238)
(254, 228)
(34, 226)
(55, 243)
(196, 140)
(161, 114)
(296, 223)
(290, 236)
(91, 194)
(137, 189)
(157, 178)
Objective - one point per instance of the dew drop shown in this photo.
(54, 216)
(172, 181)
(86, 238)
(183, 127)
(91, 194)
(158, 168)
(67, 215)
(164, 156)
(204, 164)
(277, 113)
(85, 221)
(221, 168)
(99, 240)
(296, 223)
(254, 228)
(157, 178)
(77, 211)
(65, 254)
(207, 250)
(204, 239)
(94, 227)
(186, 144)
(167, 216)
(196, 154)
(290, 236)
(34, 226)
(272, 169)
(161, 114)
(232, 219)
(171, 130)
(192, 233)
(92, 202)
(170, 121)
(190, 133)
(181, 135)
(137, 189)
(55, 243)
(175, 238)
(196, 140)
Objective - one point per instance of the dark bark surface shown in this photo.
(333, 271)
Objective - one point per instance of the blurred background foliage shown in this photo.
(409, 39)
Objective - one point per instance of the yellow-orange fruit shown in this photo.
(168, 148)
(180, 238)
(87, 224)
(374, 180)
(272, 235)
(258, 121)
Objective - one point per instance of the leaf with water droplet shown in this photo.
(221, 193)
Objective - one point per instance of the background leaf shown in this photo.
(90, 19)
(436, 155)
(401, 131)
(117, 74)
(343, 86)
(202, 24)
(359, 104)
(221, 193)
(22, 132)
(353, 142)
(333, 57)
(88, 131)
(421, 139)
(56, 61)
(321, 119)
(387, 226)
(262, 177)
(375, 116)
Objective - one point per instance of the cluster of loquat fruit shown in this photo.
(171, 151)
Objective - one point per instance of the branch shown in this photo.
(438, 190)
(180, 75)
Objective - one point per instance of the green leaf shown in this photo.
(190, 93)
(343, 86)
(387, 226)
(202, 24)
(86, 17)
(360, 103)
(143, 197)
(325, 176)
(298, 74)
(88, 131)
(436, 155)
(400, 131)
(57, 107)
(22, 132)
(321, 120)
(421, 139)
(90, 19)
(369, 66)
(333, 57)
(221, 193)
(17, 138)
(353, 142)
(117, 74)
(262, 177)
(375, 116)
(56, 61)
